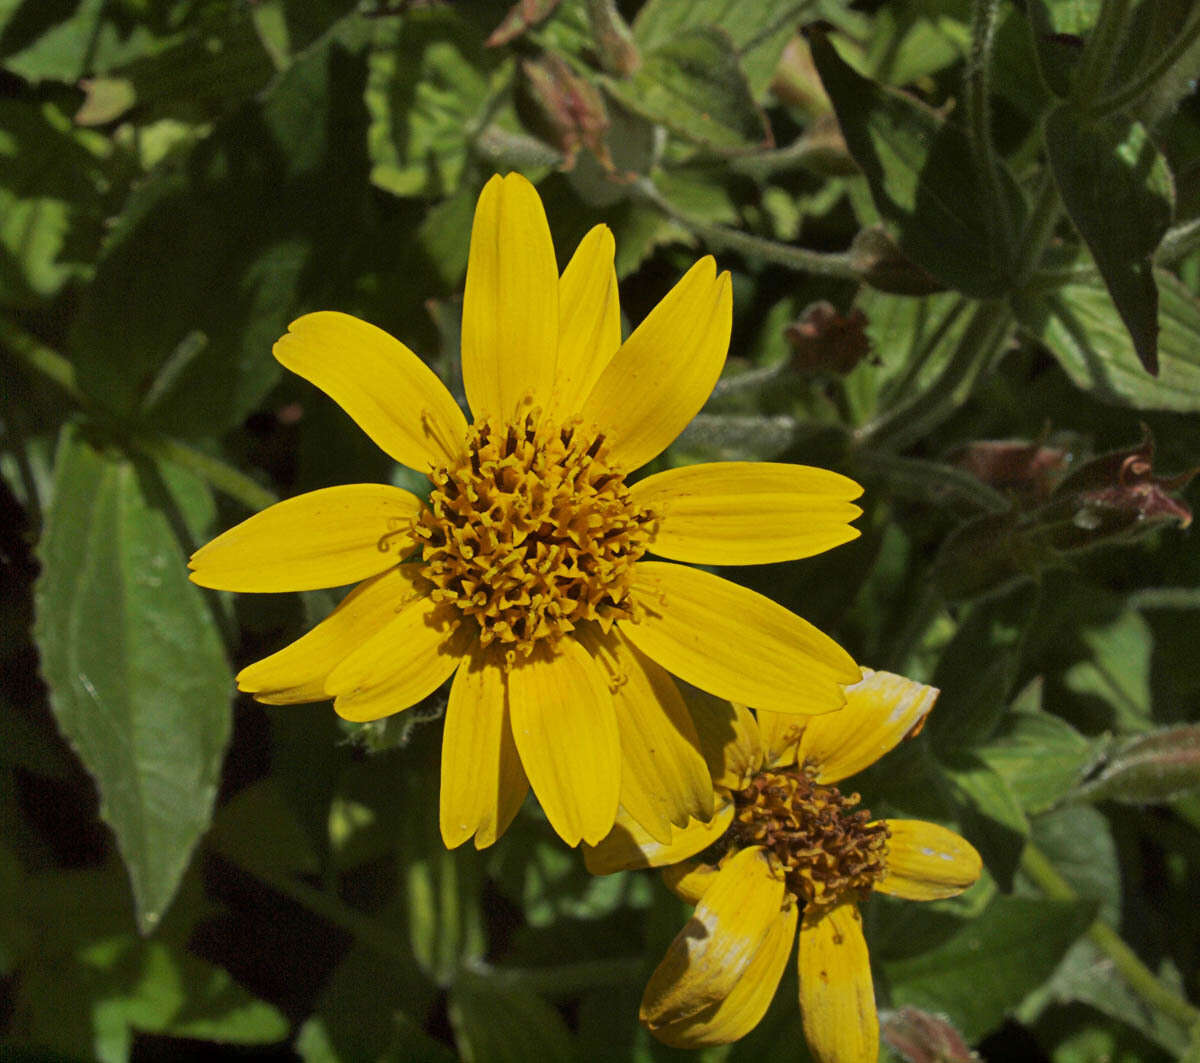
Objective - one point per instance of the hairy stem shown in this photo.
(1139, 977)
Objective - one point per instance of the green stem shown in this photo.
(363, 928)
(903, 425)
(819, 263)
(562, 980)
(1179, 241)
(977, 88)
(1144, 82)
(1139, 977)
(1039, 228)
(225, 478)
(1097, 56)
(34, 354)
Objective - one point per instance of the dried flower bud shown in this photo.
(919, 1037)
(824, 339)
(521, 16)
(1118, 494)
(1109, 499)
(563, 108)
(1028, 469)
(796, 81)
(875, 257)
(1151, 768)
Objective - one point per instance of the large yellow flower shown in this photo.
(523, 574)
(787, 848)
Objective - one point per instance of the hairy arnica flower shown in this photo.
(788, 849)
(524, 575)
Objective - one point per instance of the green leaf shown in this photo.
(38, 43)
(162, 991)
(224, 246)
(977, 670)
(1080, 844)
(693, 85)
(991, 817)
(1118, 668)
(494, 1023)
(987, 965)
(51, 210)
(138, 679)
(429, 92)
(924, 180)
(1059, 28)
(1039, 755)
(357, 1018)
(1118, 191)
(758, 31)
(1081, 327)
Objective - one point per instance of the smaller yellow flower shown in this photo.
(788, 849)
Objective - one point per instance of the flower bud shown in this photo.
(823, 339)
(563, 108)
(919, 1037)
(1148, 769)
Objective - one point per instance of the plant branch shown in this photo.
(903, 425)
(220, 475)
(1139, 977)
(1144, 82)
(820, 263)
(977, 90)
(42, 359)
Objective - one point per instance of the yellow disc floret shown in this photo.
(533, 533)
(826, 851)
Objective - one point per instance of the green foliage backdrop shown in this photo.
(965, 241)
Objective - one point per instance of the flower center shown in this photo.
(533, 533)
(826, 850)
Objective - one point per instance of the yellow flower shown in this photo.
(523, 575)
(787, 848)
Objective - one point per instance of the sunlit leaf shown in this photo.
(138, 678)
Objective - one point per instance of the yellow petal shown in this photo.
(325, 538)
(781, 733)
(589, 320)
(483, 783)
(298, 672)
(662, 375)
(566, 731)
(837, 999)
(879, 712)
(718, 944)
(748, 1000)
(402, 663)
(690, 880)
(629, 845)
(729, 738)
(393, 396)
(664, 778)
(748, 512)
(510, 304)
(926, 862)
(735, 643)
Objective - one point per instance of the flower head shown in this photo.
(788, 849)
(524, 575)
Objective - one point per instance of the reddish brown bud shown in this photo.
(1013, 465)
(824, 339)
(919, 1037)
(1118, 494)
(564, 109)
(521, 16)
